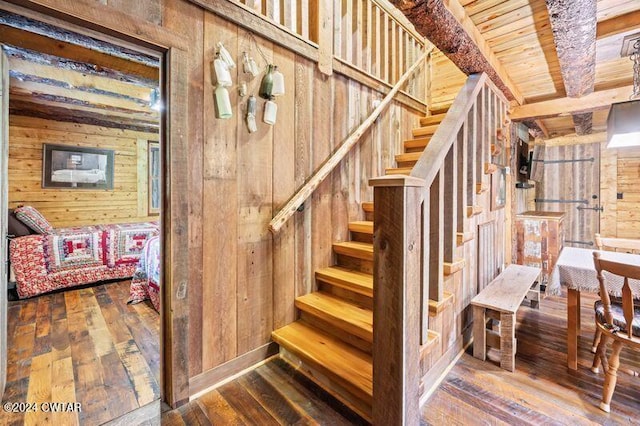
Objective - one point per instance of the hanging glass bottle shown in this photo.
(226, 56)
(278, 83)
(266, 86)
(223, 103)
(223, 76)
(270, 112)
(251, 114)
(249, 65)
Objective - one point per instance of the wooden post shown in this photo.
(396, 302)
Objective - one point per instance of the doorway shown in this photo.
(81, 97)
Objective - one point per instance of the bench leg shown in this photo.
(507, 341)
(479, 333)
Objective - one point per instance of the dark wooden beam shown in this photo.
(64, 53)
(574, 32)
(447, 26)
(48, 112)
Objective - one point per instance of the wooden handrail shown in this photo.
(432, 157)
(327, 167)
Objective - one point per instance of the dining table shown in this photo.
(575, 269)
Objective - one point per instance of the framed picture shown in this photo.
(154, 178)
(76, 167)
(498, 188)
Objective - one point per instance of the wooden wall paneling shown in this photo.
(608, 191)
(68, 207)
(220, 202)
(188, 20)
(366, 143)
(146, 10)
(303, 169)
(142, 150)
(342, 210)
(355, 165)
(283, 187)
(255, 278)
(322, 146)
(627, 208)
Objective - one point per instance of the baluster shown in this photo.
(289, 14)
(356, 39)
(347, 25)
(337, 29)
(436, 232)
(393, 57)
(450, 227)
(472, 144)
(303, 18)
(367, 51)
(384, 30)
(461, 171)
(272, 10)
(375, 42)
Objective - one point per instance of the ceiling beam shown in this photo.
(573, 139)
(618, 24)
(567, 106)
(574, 32)
(446, 24)
(77, 54)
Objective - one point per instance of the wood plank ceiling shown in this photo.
(58, 75)
(519, 33)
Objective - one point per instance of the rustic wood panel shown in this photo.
(580, 182)
(67, 207)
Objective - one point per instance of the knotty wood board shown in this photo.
(68, 207)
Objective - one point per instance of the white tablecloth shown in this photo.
(575, 268)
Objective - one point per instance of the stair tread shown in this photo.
(416, 143)
(439, 108)
(398, 170)
(350, 367)
(408, 156)
(361, 226)
(432, 119)
(348, 316)
(367, 206)
(425, 130)
(354, 249)
(356, 281)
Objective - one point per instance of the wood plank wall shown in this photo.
(243, 281)
(127, 202)
(619, 173)
(572, 181)
(446, 79)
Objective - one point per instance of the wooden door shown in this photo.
(4, 193)
(571, 184)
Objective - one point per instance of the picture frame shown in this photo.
(154, 168)
(499, 188)
(77, 167)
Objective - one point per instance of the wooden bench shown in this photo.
(500, 301)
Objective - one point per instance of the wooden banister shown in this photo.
(412, 222)
(327, 167)
(434, 154)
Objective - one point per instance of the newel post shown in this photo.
(396, 301)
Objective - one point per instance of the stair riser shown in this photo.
(358, 402)
(336, 331)
(361, 265)
(361, 237)
(368, 215)
(406, 163)
(361, 299)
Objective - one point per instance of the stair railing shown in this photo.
(416, 219)
(338, 155)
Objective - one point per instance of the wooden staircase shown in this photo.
(332, 341)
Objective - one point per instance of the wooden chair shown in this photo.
(624, 245)
(613, 322)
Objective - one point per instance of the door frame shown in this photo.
(105, 23)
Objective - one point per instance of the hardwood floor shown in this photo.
(85, 345)
(541, 390)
